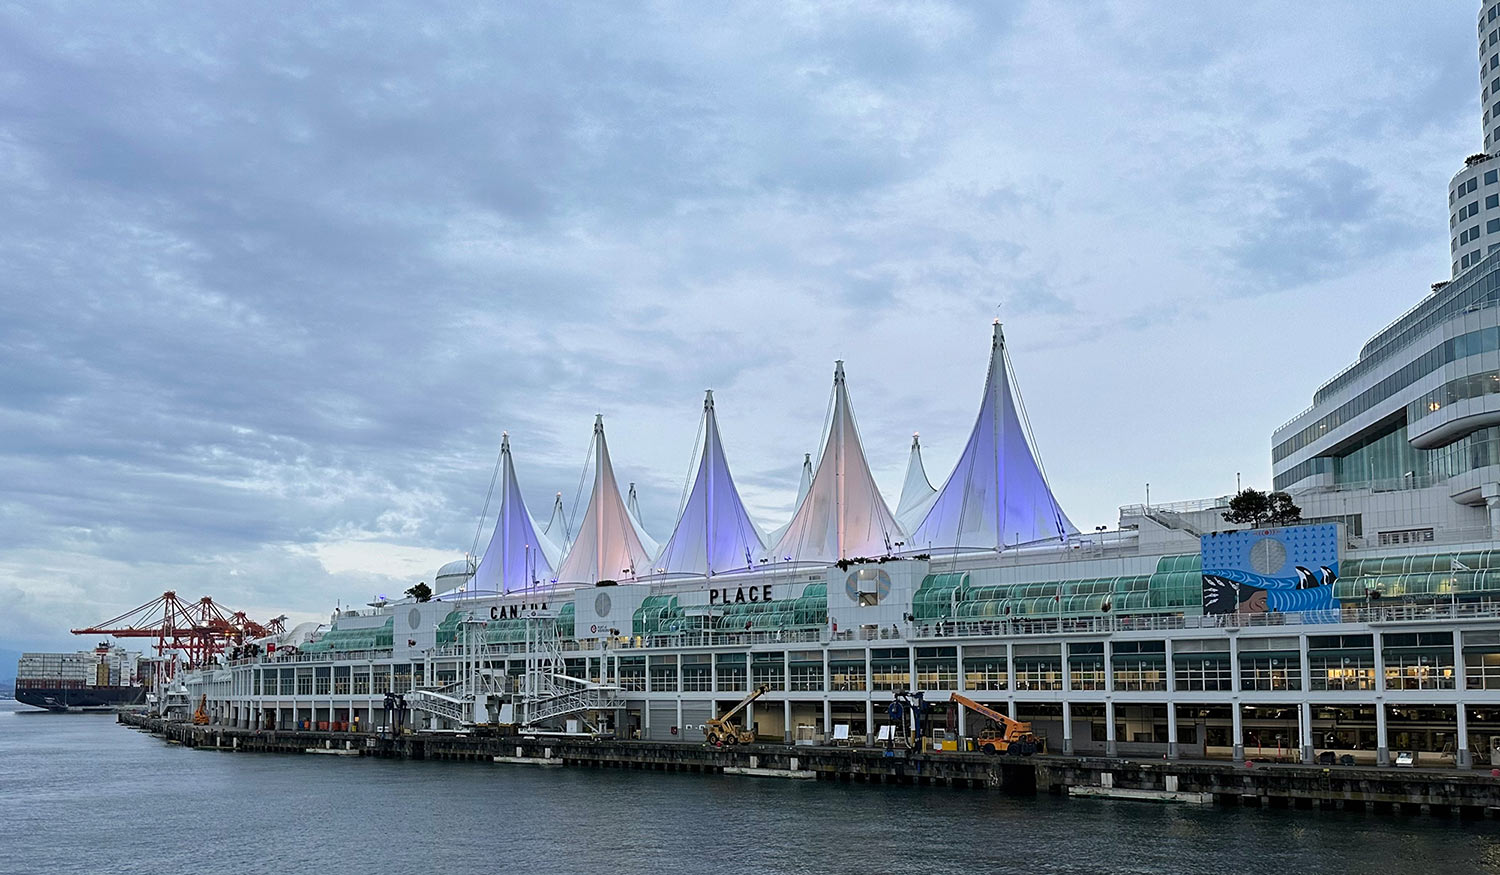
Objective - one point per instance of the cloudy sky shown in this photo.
(274, 278)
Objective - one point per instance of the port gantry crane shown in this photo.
(199, 630)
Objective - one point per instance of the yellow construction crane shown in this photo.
(719, 731)
(200, 714)
(1006, 735)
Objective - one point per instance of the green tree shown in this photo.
(421, 592)
(1255, 508)
(1284, 511)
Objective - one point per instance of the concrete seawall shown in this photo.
(1358, 788)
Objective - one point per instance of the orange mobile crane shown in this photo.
(1005, 735)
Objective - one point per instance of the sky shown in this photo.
(275, 277)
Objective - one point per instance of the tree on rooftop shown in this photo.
(421, 592)
(1255, 508)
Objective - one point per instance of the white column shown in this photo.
(1382, 749)
(1463, 734)
(1237, 728)
(869, 717)
(827, 714)
(1172, 749)
(1304, 723)
(1111, 745)
(786, 721)
(1236, 718)
(681, 731)
(1171, 674)
(1067, 727)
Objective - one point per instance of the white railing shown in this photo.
(1372, 614)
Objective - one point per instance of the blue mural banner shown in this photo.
(1258, 571)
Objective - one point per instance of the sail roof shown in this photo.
(774, 537)
(607, 545)
(843, 515)
(518, 553)
(916, 491)
(997, 494)
(556, 527)
(714, 533)
(633, 507)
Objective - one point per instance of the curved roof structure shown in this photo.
(607, 545)
(843, 515)
(916, 491)
(557, 525)
(714, 533)
(633, 507)
(802, 487)
(518, 555)
(997, 494)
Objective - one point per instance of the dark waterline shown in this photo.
(79, 793)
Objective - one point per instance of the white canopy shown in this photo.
(997, 494)
(916, 491)
(714, 533)
(557, 525)
(806, 483)
(518, 554)
(606, 545)
(633, 507)
(843, 515)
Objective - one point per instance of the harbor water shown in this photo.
(80, 793)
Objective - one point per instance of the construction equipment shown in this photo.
(720, 731)
(200, 713)
(1004, 735)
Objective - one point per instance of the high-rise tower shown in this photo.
(1474, 193)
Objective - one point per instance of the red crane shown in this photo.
(199, 630)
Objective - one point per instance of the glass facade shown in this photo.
(1472, 386)
(1391, 461)
(1451, 350)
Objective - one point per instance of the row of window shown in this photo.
(1451, 350)
(1461, 389)
(1453, 298)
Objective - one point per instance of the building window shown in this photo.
(807, 676)
(632, 672)
(1492, 226)
(769, 671)
(362, 682)
(1209, 672)
(1464, 262)
(1492, 202)
(984, 672)
(847, 675)
(890, 669)
(1270, 673)
(1472, 185)
(697, 674)
(1482, 671)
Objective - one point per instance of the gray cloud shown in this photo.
(272, 282)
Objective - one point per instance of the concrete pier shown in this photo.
(1354, 788)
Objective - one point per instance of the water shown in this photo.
(79, 793)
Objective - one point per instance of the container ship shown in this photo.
(1353, 615)
(106, 677)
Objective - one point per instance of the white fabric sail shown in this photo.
(633, 507)
(518, 555)
(997, 494)
(916, 491)
(557, 525)
(714, 533)
(843, 515)
(606, 545)
(774, 537)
